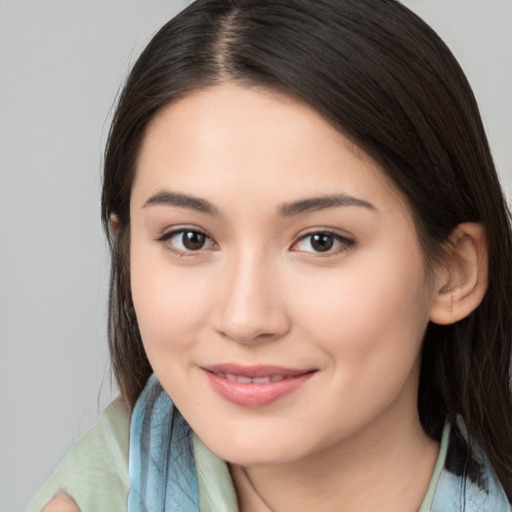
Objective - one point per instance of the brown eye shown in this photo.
(193, 240)
(322, 242)
(186, 241)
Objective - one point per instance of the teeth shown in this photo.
(238, 378)
(261, 380)
(246, 380)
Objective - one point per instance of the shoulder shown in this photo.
(94, 473)
(467, 480)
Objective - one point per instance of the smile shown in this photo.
(247, 380)
(255, 386)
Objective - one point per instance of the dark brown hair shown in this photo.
(381, 76)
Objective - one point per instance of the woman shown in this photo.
(311, 251)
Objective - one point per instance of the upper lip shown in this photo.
(255, 371)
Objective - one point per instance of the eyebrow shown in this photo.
(180, 200)
(314, 204)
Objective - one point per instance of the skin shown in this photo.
(240, 166)
(61, 503)
(258, 293)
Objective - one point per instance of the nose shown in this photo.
(251, 303)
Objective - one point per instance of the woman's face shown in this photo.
(278, 282)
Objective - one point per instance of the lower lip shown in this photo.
(255, 394)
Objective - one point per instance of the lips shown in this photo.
(255, 386)
(246, 380)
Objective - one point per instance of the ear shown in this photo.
(461, 279)
(114, 223)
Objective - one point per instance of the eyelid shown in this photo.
(165, 238)
(346, 242)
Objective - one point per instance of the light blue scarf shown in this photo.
(468, 487)
(163, 475)
(161, 465)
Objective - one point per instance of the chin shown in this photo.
(253, 457)
(250, 449)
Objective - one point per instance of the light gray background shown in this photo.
(61, 64)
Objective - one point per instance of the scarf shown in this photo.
(163, 474)
(161, 463)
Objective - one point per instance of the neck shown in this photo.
(385, 466)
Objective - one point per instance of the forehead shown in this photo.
(252, 141)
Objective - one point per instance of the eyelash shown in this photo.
(166, 239)
(344, 243)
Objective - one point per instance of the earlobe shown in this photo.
(462, 280)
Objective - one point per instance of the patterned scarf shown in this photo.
(162, 470)
(163, 474)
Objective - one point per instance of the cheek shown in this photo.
(170, 303)
(371, 315)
